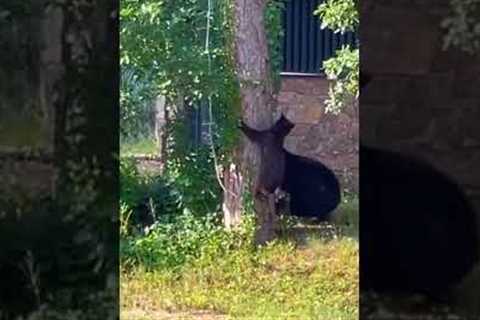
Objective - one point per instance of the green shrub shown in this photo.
(346, 216)
(131, 188)
(195, 181)
(184, 203)
(145, 198)
(172, 241)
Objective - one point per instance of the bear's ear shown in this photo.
(282, 127)
(252, 134)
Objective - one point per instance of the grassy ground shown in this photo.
(310, 273)
(138, 147)
(318, 280)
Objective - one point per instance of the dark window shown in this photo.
(305, 44)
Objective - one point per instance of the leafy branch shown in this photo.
(341, 16)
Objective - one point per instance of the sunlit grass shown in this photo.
(145, 146)
(280, 281)
(184, 271)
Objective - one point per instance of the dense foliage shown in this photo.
(341, 16)
(165, 50)
(164, 45)
(167, 221)
(183, 50)
(172, 241)
(344, 69)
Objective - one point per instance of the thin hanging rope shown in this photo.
(210, 112)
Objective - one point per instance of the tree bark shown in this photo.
(258, 106)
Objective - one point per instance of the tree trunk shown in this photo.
(258, 105)
(160, 125)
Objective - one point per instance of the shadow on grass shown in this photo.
(343, 222)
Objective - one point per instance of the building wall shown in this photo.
(331, 139)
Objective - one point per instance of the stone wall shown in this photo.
(331, 139)
(423, 100)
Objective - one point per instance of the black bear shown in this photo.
(313, 188)
(418, 231)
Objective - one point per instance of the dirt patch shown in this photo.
(149, 164)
